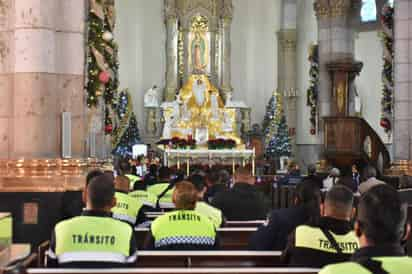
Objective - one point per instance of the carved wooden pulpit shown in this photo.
(350, 140)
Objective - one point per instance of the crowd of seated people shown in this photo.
(328, 233)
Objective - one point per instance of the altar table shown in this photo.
(204, 155)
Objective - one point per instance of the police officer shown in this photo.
(184, 228)
(127, 208)
(214, 214)
(328, 240)
(126, 169)
(380, 226)
(94, 239)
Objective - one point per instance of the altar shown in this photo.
(185, 158)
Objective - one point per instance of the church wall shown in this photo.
(254, 53)
(141, 35)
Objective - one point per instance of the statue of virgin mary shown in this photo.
(198, 54)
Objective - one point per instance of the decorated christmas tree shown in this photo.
(270, 113)
(126, 135)
(277, 138)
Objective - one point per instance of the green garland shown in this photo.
(102, 59)
(313, 90)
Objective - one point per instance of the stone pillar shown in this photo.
(212, 61)
(41, 76)
(402, 127)
(226, 84)
(336, 41)
(171, 53)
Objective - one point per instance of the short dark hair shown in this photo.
(164, 173)
(213, 176)
(307, 194)
(382, 215)
(311, 169)
(198, 181)
(185, 196)
(340, 198)
(153, 169)
(101, 191)
(93, 173)
(124, 166)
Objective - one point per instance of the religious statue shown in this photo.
(150, 97)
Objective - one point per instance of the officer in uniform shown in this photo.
(328, 240)
(184, 228)
(127, 208)
(94, 239)
(214, 214)
(381, 227)
(125, 169)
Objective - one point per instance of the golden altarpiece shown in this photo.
(198, 91)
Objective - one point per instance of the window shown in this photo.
(368, 11)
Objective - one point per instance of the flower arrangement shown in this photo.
(177, 142)
(221, 144)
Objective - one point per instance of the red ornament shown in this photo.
(313, 131)
(104, 77)
(385, 123)
(108, 129)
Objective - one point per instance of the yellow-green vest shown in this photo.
(398, 265)
(214, 214)
(183, 227)
(126, 208)
(144, 197)
(133, 179)
(314, 238)
(89, 238)
(157, 189)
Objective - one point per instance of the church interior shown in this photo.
(205, 136)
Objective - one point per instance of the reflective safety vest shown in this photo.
(183, 227)
(398, 265)
(126, 208)
(157, 189)
(214, 214)
(93, 239)
(144, 197)
(313, 238)
(133, 179)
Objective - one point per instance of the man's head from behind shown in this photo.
(93, 173)
(122, 183)
(244, 175)
(185, 196)
(125, 167)
(199, 183)
(99, 194)
(338, 203)
(381, 217)
(307, 193)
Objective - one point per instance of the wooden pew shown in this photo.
(208, 259)
(231, 238)
(254, 223)
(176, 271)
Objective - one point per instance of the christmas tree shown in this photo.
(127, 134)
(277, 138)
(269, 114)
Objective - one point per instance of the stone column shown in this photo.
(41, 75)
(226, 85)
(171, 54)
(336, 41)
(402, 127)
(212, 61)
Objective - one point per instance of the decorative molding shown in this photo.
(332, 8)
(287, 39)
(170, 9)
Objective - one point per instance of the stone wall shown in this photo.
(41, 76)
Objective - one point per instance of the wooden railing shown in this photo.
(351, 139)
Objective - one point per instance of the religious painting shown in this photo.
(199, 45)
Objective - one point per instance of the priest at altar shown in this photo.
(199, 111)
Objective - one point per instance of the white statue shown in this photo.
(229, 102)
(227, 125)
(170, 119)
(150, 98)
(199, 88)
(214, 107)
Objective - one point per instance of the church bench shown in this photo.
(175, 271)
(208, 258)
(231, 238)
(254, 223)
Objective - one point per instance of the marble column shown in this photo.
(226, 84)
(41, 76)
(172, 56)
(402, 127)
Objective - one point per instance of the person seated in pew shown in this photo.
(217, 180)
(243, 202)
(329, 240)
(151, 177)
(127, 208)
(94, 239)
(164, 191)
(147, 200)
(73, 206)
(184, 228)
(381, 226)
(214, 214)
(126, 169)
(306, 207)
